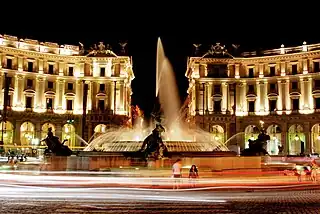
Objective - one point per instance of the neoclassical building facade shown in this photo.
(237, 93)
(51, 85)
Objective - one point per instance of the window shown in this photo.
(316, 66)
(50, 84)
(217, 70)
(69, 105)
(251, 73)
(30, 66)
(29, 83)
(273, 105)
(294, 69)
(294, 85)
(49, 103)
(295, 104)
(272, 87)
(28, 102)
(217, 106)
(70, 86)
(9, 63)
(50, 69)
(102, 87)
(101, 105)
(317, 103)
(102, 72)
(251, 88)
(217, 89)
(251, 106)
(317, 83)
(272, 71)
(70, 71)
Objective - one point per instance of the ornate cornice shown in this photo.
(260, 59)
(57, 57)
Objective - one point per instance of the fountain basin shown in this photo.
(172, 146)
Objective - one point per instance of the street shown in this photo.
(15, 199)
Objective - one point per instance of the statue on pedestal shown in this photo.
(55, 146)
(257, 147)
(153, 147)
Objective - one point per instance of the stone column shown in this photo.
(284, 135)
(16, 139)
(307, 94)
(286, 95)
(19, 101)
(258, 104)
(237, 73)
(40, 66)
(62, 68)
(311, 101)
(121, 103)
(305, 66)
(308, 146)
(224, 103)
(262, 96)
(59, 99)
(197, 88)
(79, 98)
(303, 94)
(114, 96)
(280, 101)
(125, 103)
(90, 95)
(261, 70)
(265, 98)
(244, 97)
(239, 96)
(283, 68)
(40, 102)
(20, 63)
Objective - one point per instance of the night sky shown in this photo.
(177, 37)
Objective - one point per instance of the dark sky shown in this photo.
(177, 34)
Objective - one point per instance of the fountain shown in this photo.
(257, 147)
(55, 147)
(177, 138)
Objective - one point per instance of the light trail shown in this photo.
(104, 179)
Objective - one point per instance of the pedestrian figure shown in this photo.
(193, 175)
(177, 173)
(314, 171)
(298, 174)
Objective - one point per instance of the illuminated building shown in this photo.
(47, 89)
(280, 87)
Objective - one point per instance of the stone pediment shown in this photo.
(101, 94)
(272, 94)
(29, 91)
(50, 93)
(295, 93)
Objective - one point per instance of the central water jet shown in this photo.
(178, 137)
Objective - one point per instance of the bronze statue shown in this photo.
(257, 147)
(55, 146)
(153, 147)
